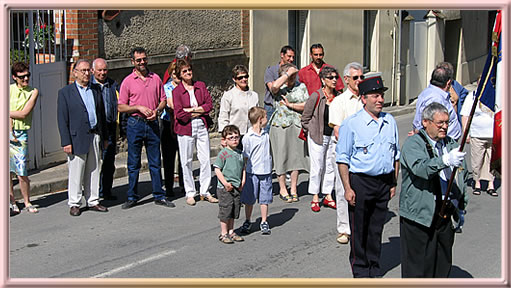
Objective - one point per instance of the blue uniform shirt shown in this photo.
(435, 94)
(88, 100)
(368, 146)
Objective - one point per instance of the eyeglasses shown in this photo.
(440, 123)
(242, 76)
(186, 70)
(23, 76)
(332, 77)
(234, 137)
(83, 71)
(355, 78)
(139, 60)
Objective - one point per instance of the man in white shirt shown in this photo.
(343, 106)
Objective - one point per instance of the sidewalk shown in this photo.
(54, 179)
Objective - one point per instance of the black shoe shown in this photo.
(128, 204)
(164, 202)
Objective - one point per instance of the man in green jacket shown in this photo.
(427, 161)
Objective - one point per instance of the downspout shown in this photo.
(393, 60)
(398, 52)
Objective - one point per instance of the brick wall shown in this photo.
(245, 31)
(82, 35)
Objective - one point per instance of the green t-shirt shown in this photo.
(230, 162)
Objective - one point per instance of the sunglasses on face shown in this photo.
(241, 77)
(23, 76)
(355, 78)
(186, 71)
(139, 60)
(332, 77)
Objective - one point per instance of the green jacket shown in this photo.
(417, 200)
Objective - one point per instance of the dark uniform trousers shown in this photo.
(108, 157)
(367, 218)
(169, 147)
(426, 252)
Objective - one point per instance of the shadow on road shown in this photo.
(390, 255)
(457, 272)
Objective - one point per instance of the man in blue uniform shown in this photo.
(368, 157)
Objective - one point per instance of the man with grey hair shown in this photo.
(343, 106)
(109, 91)
(82, 127)
(427, 161)
(182, 52)
(438, 91)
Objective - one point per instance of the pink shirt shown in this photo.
(148, 93)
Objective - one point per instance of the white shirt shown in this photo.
(256, 148)
(482, 122)
(234, 108)
(342, 107)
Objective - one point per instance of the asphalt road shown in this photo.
(150, 241)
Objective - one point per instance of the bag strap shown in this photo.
(436, 179)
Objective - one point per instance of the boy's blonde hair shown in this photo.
(230, 129)
(255, 113)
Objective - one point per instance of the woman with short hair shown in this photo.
(22, 99)
(192, 104)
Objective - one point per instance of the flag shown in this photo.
(489, 90)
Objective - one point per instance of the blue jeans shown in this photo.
(140, 132)
(269, 111)
(108, 167)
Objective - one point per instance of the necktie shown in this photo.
(446, 171)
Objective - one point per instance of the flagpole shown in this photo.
(442, 213)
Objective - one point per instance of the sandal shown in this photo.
(225, 239)
(477, 191)
(492, 192)
(294, 197)
(286, 198)
(329, 203)
(31, 209)
(315, 206)
(235, 237)
(15, 208)
(209, 198)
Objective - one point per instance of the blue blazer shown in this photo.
(73, 120)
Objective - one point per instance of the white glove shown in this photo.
(453, 158)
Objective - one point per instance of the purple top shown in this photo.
(181, 97)
(148, 93)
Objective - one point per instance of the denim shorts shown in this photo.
(228, 203)
(257, 187)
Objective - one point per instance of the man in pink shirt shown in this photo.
(309, 75)
(143, 98)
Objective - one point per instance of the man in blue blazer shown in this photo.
(81, 121)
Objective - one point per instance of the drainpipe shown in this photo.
(398, 52)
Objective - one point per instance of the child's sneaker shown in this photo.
(245, 228)
(265, 228)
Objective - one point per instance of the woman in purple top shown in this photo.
(192, 104)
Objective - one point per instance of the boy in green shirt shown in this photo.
(230, 171)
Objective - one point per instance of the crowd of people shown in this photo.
(348, 146)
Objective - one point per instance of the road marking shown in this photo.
(134, 264)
